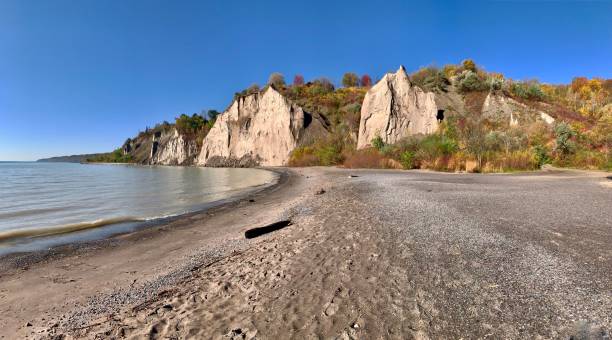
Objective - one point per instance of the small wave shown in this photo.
(68, 228)
(22, 213)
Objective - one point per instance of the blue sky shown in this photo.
(81, 76)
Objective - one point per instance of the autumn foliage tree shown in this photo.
(350, 79)
(469, 65)
(298, 80)
(589, 96)
(366, 81)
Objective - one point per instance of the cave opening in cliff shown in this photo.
(440, 115)
(307, 119)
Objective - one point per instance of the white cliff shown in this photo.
(163, 146)
(502, 108)
(258, 129)
(394, 108)
(172, 148)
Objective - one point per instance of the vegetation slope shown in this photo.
(581, 136)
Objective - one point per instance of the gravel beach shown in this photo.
(363, 254)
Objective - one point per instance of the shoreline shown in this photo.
(121, 227)
(366, 254)
(20, 259)
(135, 254)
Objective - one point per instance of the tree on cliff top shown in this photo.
(366, 81)
(469, 65)
(350, 79)
(276, 79)
(298, 80)
(189, 124)
(212, 114)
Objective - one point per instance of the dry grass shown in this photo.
(369, 159)
(517, 160)
(474, 101)
(303, 156)
(306, 160)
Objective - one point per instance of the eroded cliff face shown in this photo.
(258, 129)
(504, 109)
(164, 147)
(394, 108)
(173, 148)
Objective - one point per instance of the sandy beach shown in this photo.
(368, 254)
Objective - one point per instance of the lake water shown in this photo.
(45, 204)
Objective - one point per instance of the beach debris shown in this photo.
(320, 192)
(352, 176)
(236, 334)
(255, 232)
(251, 200)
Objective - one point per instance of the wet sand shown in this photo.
(386, 254)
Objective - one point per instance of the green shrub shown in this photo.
(531, 91)
(608, 163)
(189, 125)
(435, 146)
(116, 156)
(495, 140)
(430, 79)
(541, 155)
(378, 143)
(470, 81)
(326, 151)
(563, 143)
(535, 92)
(330, 154)
(447, 146)
(407, 159)
(495, 84)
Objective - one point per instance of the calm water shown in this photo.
(44, 204)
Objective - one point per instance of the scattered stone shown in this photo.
(320, 192)
(352, 176)
(331, 309)
(168, 307)
(29, 324)
(251, 200)
(355, 326)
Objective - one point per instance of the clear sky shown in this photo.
(81, 76)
